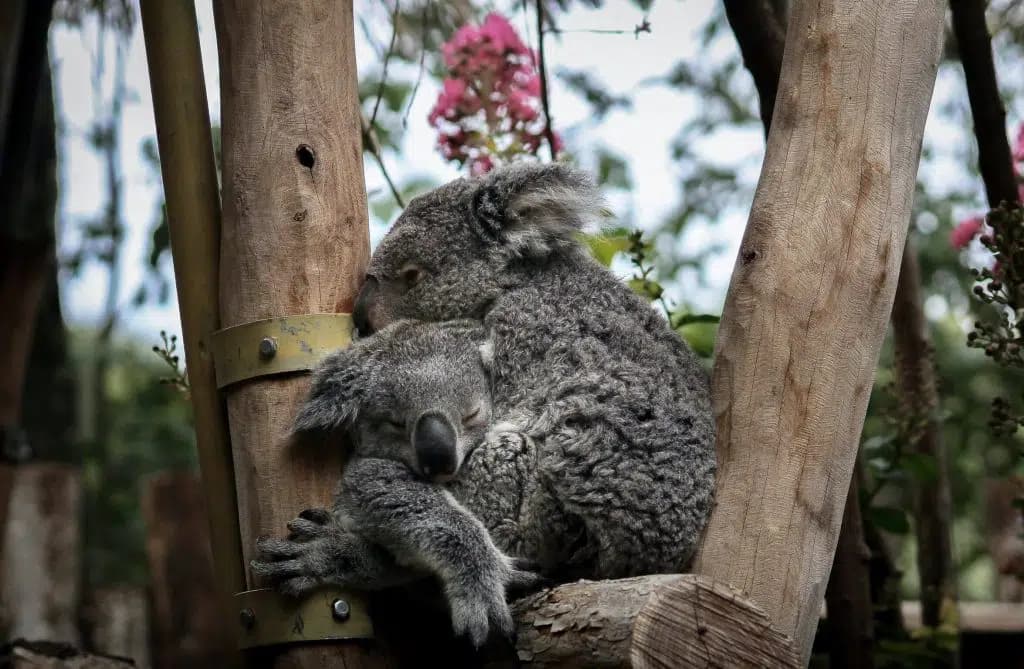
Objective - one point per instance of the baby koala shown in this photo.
(413, 401)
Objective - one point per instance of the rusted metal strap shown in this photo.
(268, 618)
(277, 345)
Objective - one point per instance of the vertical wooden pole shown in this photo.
(294, 240)
(811, 294)
(189, 626)
(42, 574)
(193, 213)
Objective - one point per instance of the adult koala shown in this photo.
(591, 385)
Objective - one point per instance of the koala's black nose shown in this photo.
(361, 311)
(434, 440)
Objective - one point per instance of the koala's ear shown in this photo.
(334, 397)
(532, 208)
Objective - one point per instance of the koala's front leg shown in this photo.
(319, 551)
(424, 527)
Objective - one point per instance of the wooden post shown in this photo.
(193, 212)
(42, 570)
(189, 627)
(120, 623)
(294, 240)
(811, 294)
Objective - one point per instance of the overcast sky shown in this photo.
(642, 134)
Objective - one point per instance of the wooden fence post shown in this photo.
(189, 628)
(42, 569)
(811, 294)
(294, 241)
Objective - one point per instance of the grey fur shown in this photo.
(389, 525)
(592, 384)
(600, 459)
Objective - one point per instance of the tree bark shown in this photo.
(189, 628)
(848, 595)
(120, 622)
(666, 620)
(915, 380)
(43, 564)
(294, 241)
(975, 47)
(810, 296)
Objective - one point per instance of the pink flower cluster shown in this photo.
(489, 107)
(974, 226)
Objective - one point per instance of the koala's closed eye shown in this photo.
(411, 275)
(474, 417)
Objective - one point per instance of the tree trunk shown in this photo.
(43, 566)
(294, 241)
(189, 629)
(811, 294)
(915, 380)
(120, 623)
(28, 191)
(848, 595)
(761, 36)
(975, 48)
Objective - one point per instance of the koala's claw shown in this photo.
(525, 578)
(303, 529)
(475, 617)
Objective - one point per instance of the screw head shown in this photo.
(247, 617)
(268, 347)
(340, 610)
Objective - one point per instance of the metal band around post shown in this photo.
(277, 345)
(266, 618)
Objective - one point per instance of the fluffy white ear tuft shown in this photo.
(532, 209)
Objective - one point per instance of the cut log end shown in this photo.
(649, 621)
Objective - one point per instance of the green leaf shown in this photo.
(679, 320)
(605, 247)
(700, 336)
(890, 519)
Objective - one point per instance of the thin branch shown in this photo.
(419, 74)
(372, 144)
(542, 69)
(761, 39)
(387, 61)
(643, 27)
(975, 46)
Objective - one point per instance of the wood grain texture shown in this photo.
(664, 620)
(294, 241)
(696, 622)
(811, 294)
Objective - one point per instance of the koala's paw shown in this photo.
(478, 612)
(525, 578)
(305, 560)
